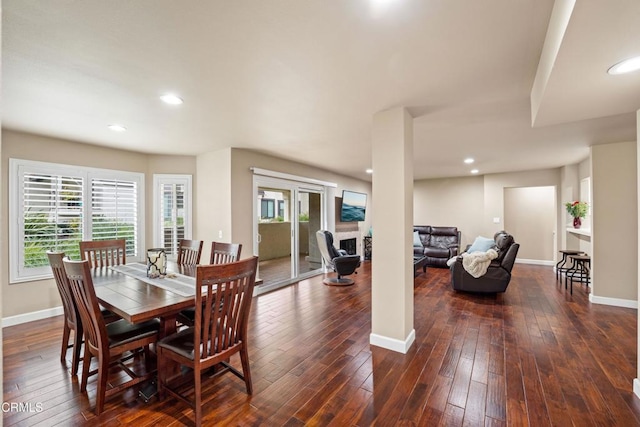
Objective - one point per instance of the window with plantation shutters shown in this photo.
(114, 211)
(172, 211)
(54, 207)
(52, 217)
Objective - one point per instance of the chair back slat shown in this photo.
(189, 252)
(225, 292)
(224, 253)
(104, 253)
(79, 277)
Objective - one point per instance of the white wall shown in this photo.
(615, 222)
(451, 202)
(530, 214)
(213, 192)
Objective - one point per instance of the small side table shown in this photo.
(366, 244)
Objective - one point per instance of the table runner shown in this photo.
(180, 284)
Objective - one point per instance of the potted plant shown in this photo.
(577, 210)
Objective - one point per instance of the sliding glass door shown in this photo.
(288, 215)
(309, 222)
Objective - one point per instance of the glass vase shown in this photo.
(577, 222)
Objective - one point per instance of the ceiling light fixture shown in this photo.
(626, 66)
(369, 171)
(117, 128)
(469, 160)
(171, 99)
(474, 171)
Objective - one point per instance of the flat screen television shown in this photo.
(354, 206)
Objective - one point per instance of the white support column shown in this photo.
(392, 264)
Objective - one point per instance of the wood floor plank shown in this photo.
(535, 355)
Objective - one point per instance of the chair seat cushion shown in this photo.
(181, 342)
(109, 316)
(187, 316)
(121, 331)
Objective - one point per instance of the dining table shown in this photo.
(136, 300)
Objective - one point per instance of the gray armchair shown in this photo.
(498, 274)
(336, 259)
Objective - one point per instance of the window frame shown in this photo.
(269, 204)
(17, 169)
(161, 179)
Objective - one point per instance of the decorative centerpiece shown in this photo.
(577, 210)
(156, 262)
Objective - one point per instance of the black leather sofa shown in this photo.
(498, 274)
(439, 244)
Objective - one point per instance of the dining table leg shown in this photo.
(167, 327)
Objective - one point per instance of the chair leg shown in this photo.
(197, 390)
(86, 364)
(147, 358)
(77, 344)
(246, 371)
(161, 372)
(65, 342)
(103, 373)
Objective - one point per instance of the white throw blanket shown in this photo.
(476, 263)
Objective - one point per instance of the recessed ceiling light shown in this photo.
(474, 171)
(469, 160)
(626, 66)
(117, 128)
(171, 99)
(369, 171)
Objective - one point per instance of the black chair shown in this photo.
(336, 259)
(498, 274)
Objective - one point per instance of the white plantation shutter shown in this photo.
(52, 217)
(114, 212)
(172, 202)
(54, 207)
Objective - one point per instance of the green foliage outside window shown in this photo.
(41, 235)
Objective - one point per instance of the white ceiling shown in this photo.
(303, 79)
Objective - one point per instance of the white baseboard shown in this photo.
(535, 261)
(636, 387)
(616, 302)
(30, 317)
(392, 343)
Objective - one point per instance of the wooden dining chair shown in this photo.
(103, 253)
(221, 253)
(225, 291)
(189, 252)
(224, 253)
(71, 316)
(72, 320)
(107, 342)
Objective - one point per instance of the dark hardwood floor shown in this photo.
(535, 355)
